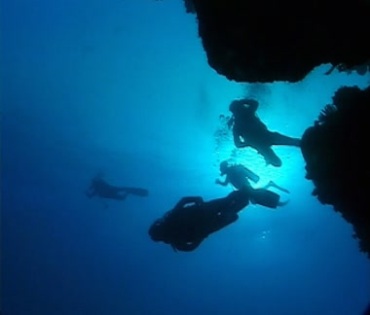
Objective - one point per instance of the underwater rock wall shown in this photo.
(337, 154)
(266, 41)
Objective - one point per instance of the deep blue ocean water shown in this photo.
(123, 87)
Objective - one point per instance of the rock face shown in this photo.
(337, 154)
(281, 40)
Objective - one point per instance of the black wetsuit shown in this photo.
(239, 176)
(101, 188)
(249, 130)
(192, 220)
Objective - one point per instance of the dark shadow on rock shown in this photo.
(337, 154)
(266, 41)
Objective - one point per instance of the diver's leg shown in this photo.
(279, 139)
(274, 185)
(283, 203)
(122, 196)
(118, 193)
(221, 220)
(119, 190)
(141, 192)
(270, 156)
(266, 198)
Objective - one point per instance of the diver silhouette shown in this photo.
(239, 176)
(100, 188)
(192, 220)
(250, 131)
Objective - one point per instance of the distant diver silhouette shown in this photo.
(100, 188)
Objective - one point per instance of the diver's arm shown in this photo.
(237, 141)
(222, 183)
(186, 200)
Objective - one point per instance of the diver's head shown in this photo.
(157, 231)
(224, 165)
(234, 106)
(250, 101)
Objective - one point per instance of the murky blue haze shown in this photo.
(123, 87)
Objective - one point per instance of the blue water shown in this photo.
(123, 87)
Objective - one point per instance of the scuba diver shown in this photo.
(239, 176)
(193, 219)
(99, 187)
(250, 131)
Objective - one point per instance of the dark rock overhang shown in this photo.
(270, 40)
